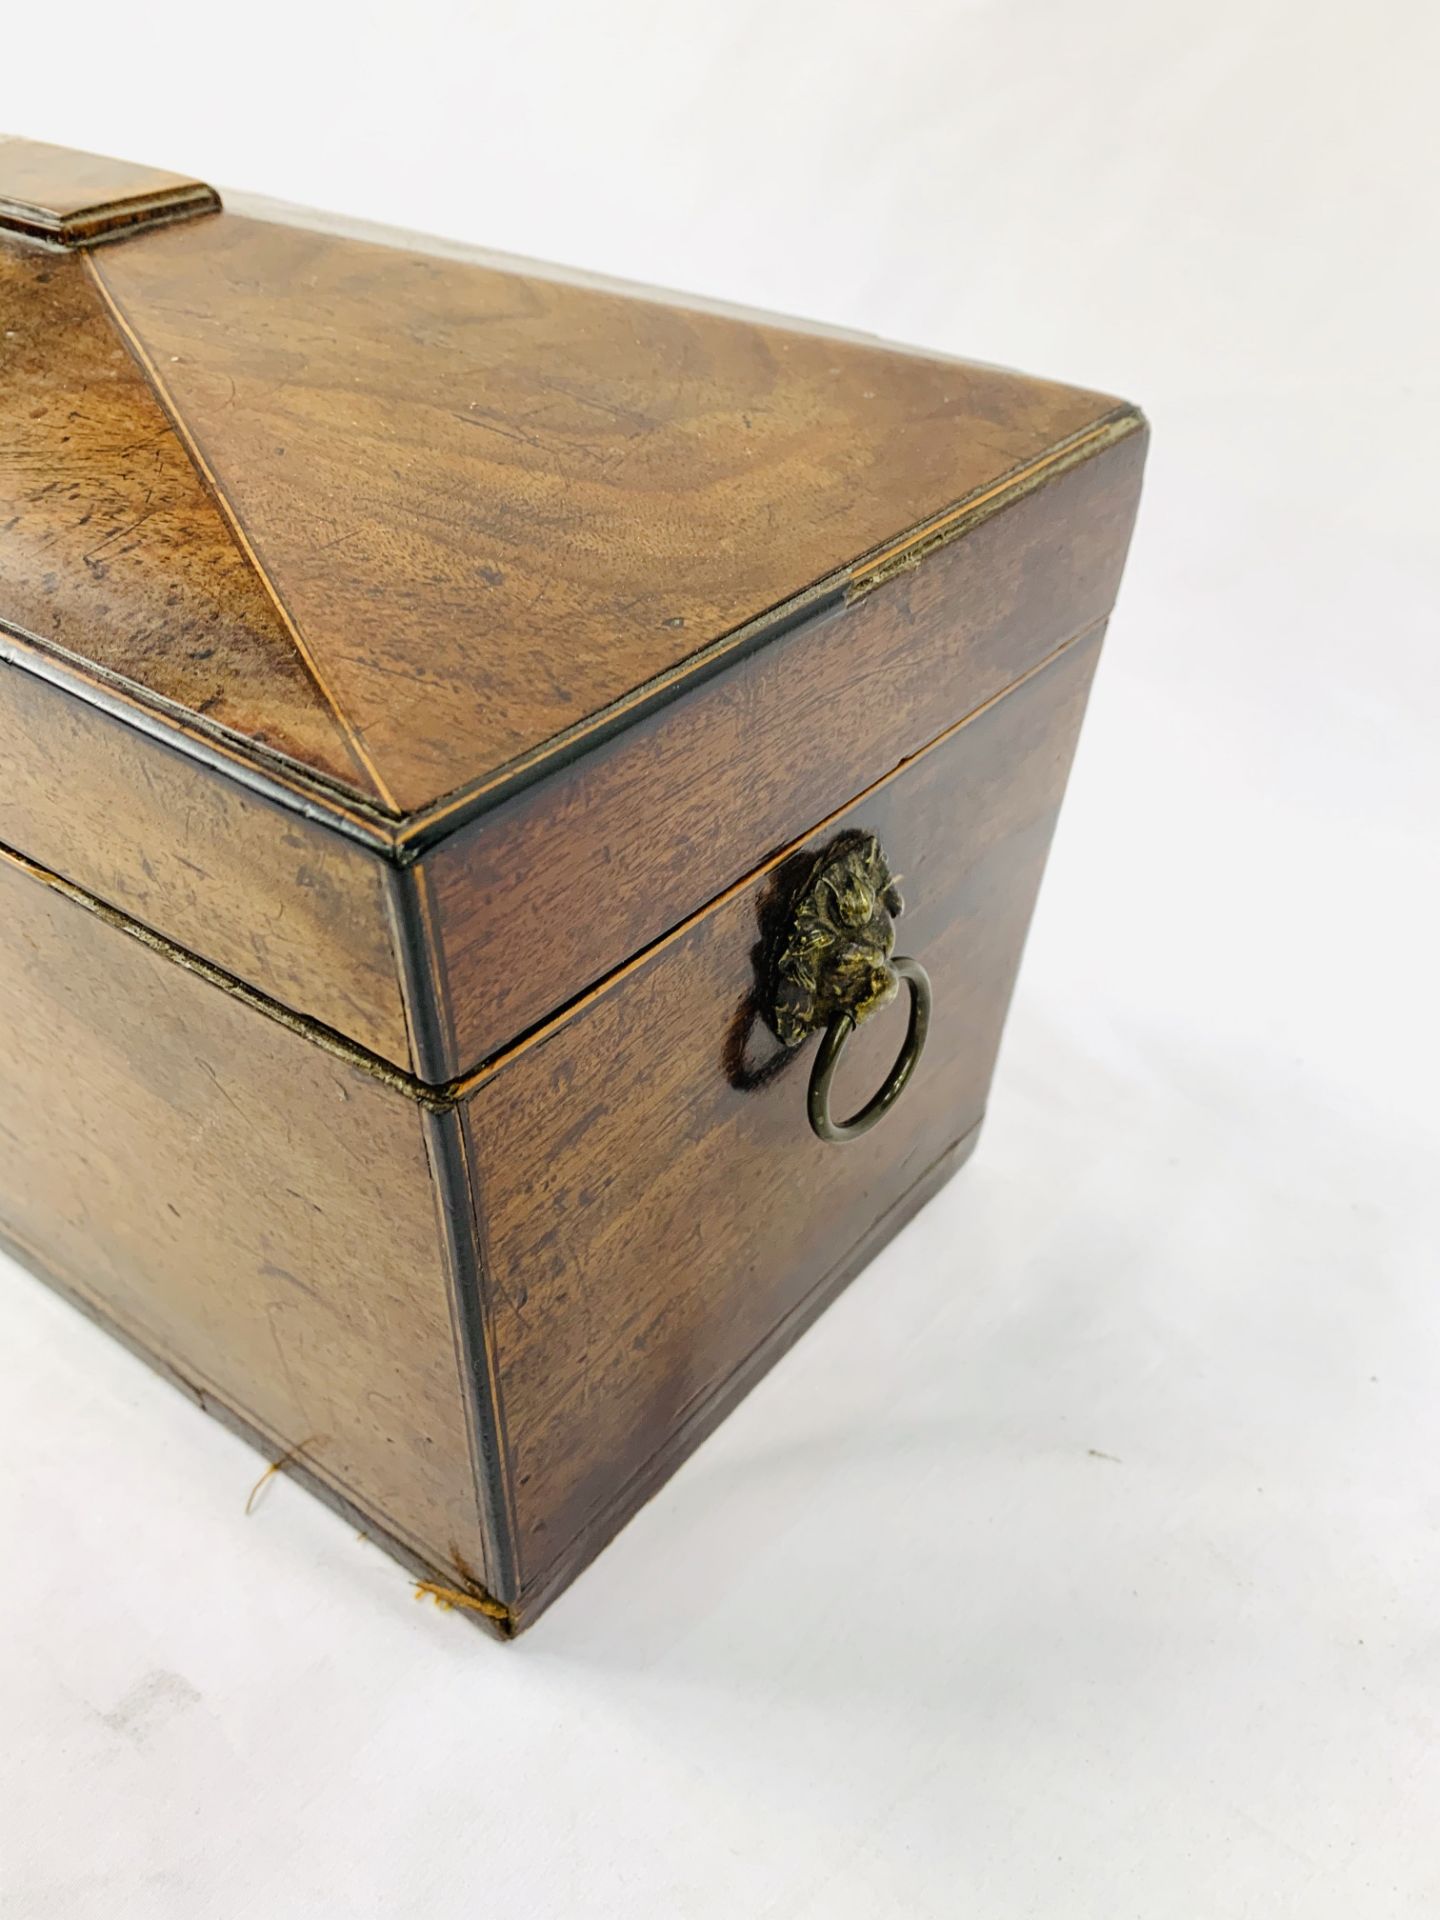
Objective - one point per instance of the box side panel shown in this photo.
(658, 1214)
(254, 1210)
(590, 865)
(283, 903)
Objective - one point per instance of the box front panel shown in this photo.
(247, 1207)
(284, 904)
(658, 1214)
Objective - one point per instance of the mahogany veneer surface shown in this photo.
(425, 681)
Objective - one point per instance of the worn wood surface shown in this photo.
(528, 598)
(254, 1210)
(275, 898)
(424, 642)
(655, 1206)
(588, 867)
(114, 550)
(71, 199)
(495, 1322)
(494, 503)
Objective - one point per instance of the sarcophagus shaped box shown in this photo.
(468, 734)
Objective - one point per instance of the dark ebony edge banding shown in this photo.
(329, 1038)
(180, 733)
(405, 838)
(456, 1088)
(426, 826)
(475, 1347)
(422, 980)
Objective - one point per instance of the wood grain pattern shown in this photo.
(705, 1415)
(457, 658)
(582, 870)
(641, 1220)
(252, 1209)
(656, 1208)
(493, 503)
(113, 550)
(522, 578)
(71, 199)
(279, 900)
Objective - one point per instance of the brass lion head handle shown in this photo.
(834, 964)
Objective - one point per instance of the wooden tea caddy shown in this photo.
(460, 727)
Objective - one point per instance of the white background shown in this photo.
(1140, 1421)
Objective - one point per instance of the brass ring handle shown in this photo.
(832, 964)
(833, 1045)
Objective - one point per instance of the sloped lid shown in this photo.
(363, 597)
(404, 518)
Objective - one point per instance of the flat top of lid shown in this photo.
(408, 520)
(72, 199)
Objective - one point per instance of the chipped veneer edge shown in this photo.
(902, 555)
